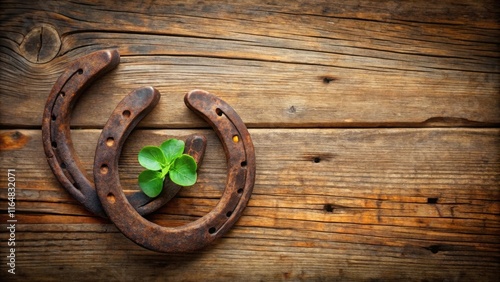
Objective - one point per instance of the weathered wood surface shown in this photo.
(333, 203)
(317, 64)
(335, 199)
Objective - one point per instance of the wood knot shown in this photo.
(41, 44)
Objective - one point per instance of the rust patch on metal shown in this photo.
(13, 140)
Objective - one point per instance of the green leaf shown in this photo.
(151, 182)
(172, 149)
(152, 158)
(183, 171)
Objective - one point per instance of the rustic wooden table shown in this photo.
(375, 124)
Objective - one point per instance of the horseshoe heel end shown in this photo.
(130, 111)
(228, 125)
(196, 146)
(100, 62)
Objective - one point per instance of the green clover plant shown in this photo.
(166, 159)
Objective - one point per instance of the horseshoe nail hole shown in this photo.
(80, 71)
(126, 114)
(63, 165)
(236, 139)
(219, 112)
(54, 144)
(104, 169)
(53, 117)
(111, 198)
(110, 141)
(62, 93)
(229, 213)
(240, 191)
(244, 163)
(212, 230)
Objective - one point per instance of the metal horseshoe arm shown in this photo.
(56, 134)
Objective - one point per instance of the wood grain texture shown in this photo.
(359, 63)
(332, 204)
(335, 199)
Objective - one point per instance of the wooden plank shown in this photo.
(334, 204)
(328, 204)
(304, 64)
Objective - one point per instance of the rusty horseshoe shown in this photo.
(240, 158)
(58, 145)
